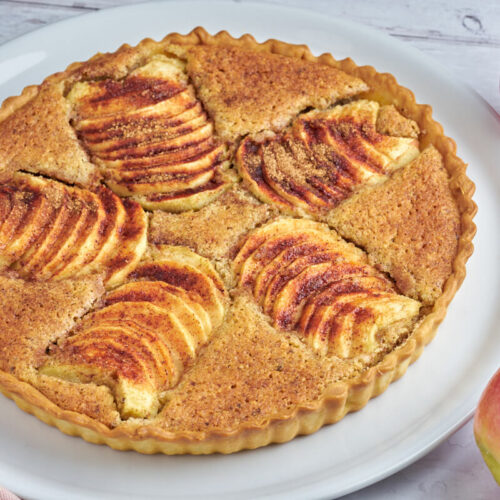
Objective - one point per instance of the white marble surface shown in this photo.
(461, 35)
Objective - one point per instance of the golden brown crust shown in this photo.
(339, 397)
(115, 65)
(409, 226)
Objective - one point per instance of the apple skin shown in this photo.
(487, 425)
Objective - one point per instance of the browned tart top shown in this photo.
(196, 237)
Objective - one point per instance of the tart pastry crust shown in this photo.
(263, 342)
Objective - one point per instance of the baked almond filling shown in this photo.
(212, 244)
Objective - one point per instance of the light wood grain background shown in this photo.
(461, 35)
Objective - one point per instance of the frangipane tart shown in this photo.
(209, 244)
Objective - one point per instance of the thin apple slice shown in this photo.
(130, 244)
(286, 298)
(351, 131)
(96, 129)
(354, 153)
(152, 317)
(32, 227)
(280, 227)
(141, 293)
(205, 158)
(273, 266)
(198, 285)
(149, 149)
(159, 294)
(281, 279)
(186, 256)
(129, 341)
(189, 199)
(183, 268)
(16, 220)
(386, 309)
(288, 264)
(104, 237)
(339, 176)
(160, 139)
(135, 132)
(330, 326)
(249, 162)
(351, 325)
(288, 247)
(129, 318)
(171, 158)
(67, 213)
(263, 257)
(76, 237)
(110, 97)
(287, 176)
(102, 358)
(144, 343)
(83, 248)
(162, 183)
(168, 366)
(346, 285)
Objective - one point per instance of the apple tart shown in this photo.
(209, 244)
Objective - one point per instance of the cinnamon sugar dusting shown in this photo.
(53, 231)
(302, 290)
(246, 375)
(150, 136)
(322, 159)
(138, 91)
(230, 304)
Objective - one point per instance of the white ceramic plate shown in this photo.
(437, 394)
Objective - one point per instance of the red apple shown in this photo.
(487, 425)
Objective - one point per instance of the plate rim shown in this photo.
(76, 19)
